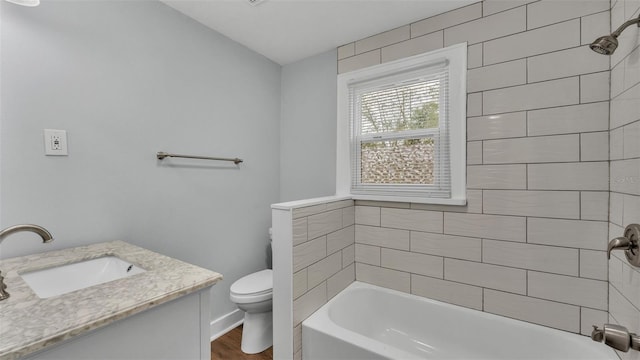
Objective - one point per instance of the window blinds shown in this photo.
(400, 133)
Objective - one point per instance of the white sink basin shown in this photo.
(71, 277)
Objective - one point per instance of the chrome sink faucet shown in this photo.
(44, 234)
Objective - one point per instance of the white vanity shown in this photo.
(160, 313)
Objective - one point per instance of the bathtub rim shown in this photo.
(321, 322)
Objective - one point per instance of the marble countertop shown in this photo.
(29, 324)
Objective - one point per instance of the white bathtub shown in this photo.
(370, 322)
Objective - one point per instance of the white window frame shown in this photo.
(456, 56)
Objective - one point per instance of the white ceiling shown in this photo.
(286, 31)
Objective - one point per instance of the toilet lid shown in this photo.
(256, 283)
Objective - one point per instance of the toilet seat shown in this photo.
(253, 288)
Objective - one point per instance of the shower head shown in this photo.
(607, 44)
(604, 45)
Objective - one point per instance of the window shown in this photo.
(401, 129)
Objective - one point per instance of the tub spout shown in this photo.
(617, 337)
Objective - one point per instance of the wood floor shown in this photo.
(227, 347)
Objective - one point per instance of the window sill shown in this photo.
(415, 200)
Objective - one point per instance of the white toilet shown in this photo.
(253, 294)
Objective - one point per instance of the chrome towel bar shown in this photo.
(161, 155)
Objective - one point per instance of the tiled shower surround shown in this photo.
(323, 256)
(531, 242)
(624, 280)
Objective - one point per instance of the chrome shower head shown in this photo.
(607, 44)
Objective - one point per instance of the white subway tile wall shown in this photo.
(494, 6)
(590, 89)
(570, 62)
(413, 46)
(538, 311)
(569, 119)
(359, 61)
(593, 146)
(594, 205)
(590, 317)
(367, 254)
(474, 152)
(593, 264)
(501, 126)
(549, 12)
(381, 40)
(388, 278)
(569, 176)
(532, 257)
(447, 291)
(419, 220)
(624, 280)
(532, 96)
(297, 345)
(474, 56)
(447, 19)
(510, 176)
(531, 242)
(323, 258)
(543, 199)
(412, 262)
(564, 35)
(501, 75)
(556, 148)
(483, 29)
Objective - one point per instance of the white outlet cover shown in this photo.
(55, 142)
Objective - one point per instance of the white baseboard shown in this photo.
(226, 323)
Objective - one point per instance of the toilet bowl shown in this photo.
(253, 294)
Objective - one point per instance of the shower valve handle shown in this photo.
(629, 243)
(619, 243)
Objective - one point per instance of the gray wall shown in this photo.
(308, 128)
(128, 79)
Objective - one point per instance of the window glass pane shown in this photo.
(405, 161)
(400, 108)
